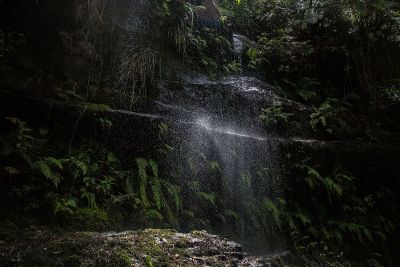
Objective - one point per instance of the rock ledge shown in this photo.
(150, 247)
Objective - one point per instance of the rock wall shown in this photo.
(68, 43)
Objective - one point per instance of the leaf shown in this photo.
(271, 207)
(154, 215)
(56, 162)
(231, 213)
(91, 199)
(156, 190)
(307, 94)
(154, 167)
(43, 168)
(56, 178)
(214, 166)
(303, 218)
(111, 158)
(11, 171)
(292, 225)
(81, 165)
(94, 107)
(208, 197)
(142, 165)
(174, 192)
(64, 205)
(43, 131)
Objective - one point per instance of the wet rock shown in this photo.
(150, 247)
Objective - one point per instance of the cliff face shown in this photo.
(68, 43)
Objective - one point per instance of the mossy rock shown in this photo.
(150, 248)
(121, 259)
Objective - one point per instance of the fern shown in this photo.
(273, 115)
(156, 191)
(54, 161)
(64, 205)
(142, 165)
(90, 198)
(304, 219)
(209, 198)
(153, 215)
(43, 168)
(174, 193)
(214, 166)
(171, 218)
(272, 208)
(231, 213)
(95, 107)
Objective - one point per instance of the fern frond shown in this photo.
(156, 191)
(171, 218)
(209, 198)
(154, 167)
(142, 165)
(95, 107)
(174, 193)
(153, 215)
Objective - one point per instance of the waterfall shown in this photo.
(219, 143)
(217, 122)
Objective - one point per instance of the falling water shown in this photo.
(239, 48)
(218, 122)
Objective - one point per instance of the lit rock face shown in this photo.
(150, 247)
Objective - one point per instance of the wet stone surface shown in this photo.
(149, 247)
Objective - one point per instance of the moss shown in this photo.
(89, 219)
(149, 262)
(8, 231)
(114, 216)
(149, 245)
(122, 259)
(182, 243)
(73, 261)
(197, 233)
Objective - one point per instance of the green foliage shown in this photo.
(149, 261)
(214, 52)
(317, 52)
(323, 50)
(274, 115)
(64, 205)
(90, 178)
(331, 114)
(19, 142)
(305, 88)
(232, 67)
(254, 58)
(329, 213)
(163, 194)
(392, 92)
(202, 49)
(95, 107)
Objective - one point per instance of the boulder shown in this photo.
(150, 247)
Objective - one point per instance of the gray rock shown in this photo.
(131, 248)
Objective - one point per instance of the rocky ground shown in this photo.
(149, 248)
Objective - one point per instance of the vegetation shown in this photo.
(39, 175)
(336, 61)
